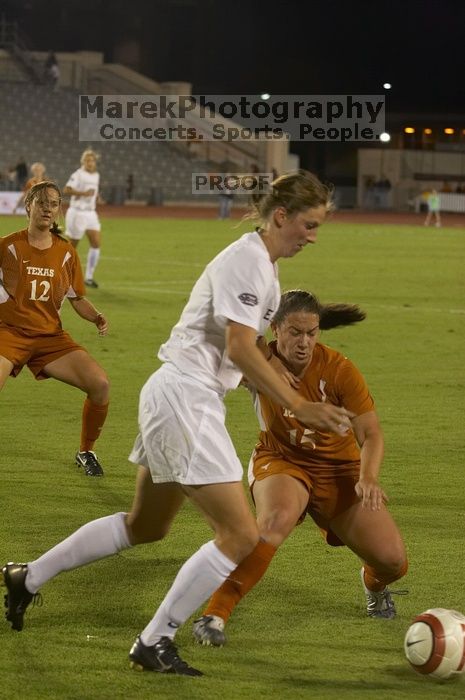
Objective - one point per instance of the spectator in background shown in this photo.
(433, 203)
(446, 187)
(11, 178)
(21, 173)
(129, 186)
(226, 200)
(383, 187)
(52, 71)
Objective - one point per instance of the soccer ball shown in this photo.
(435, 643)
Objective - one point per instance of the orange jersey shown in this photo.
(330, 377)
(29, 184)
(34, 283)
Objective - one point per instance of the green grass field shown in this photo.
(302, 632)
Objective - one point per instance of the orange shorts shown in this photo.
(36, 352)
(329, 494)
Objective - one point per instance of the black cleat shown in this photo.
(91, 283)
(18, 597)
(161, 657)
(89, 461)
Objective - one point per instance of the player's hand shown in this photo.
(88, 193)
(325, 417)
(284, 373)
(102, 324)
(370, 493)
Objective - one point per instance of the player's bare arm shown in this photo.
(86, 310)
(370, 439)
(70, 192)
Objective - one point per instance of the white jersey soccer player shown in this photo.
(81, 216)
(240, 285)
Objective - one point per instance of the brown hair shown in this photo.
(38, 192)
(295, 192)
(330, 315)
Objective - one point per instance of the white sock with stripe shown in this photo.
(197, 579)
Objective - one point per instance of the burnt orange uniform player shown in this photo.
(328, 464)
(38, 270)
(38, 175)
(295, 470)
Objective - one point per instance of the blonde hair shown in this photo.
(88, 152)
(295, 192)
(36, 166)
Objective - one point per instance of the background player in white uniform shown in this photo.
(183, 448)
(81, 217)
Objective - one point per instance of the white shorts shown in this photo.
(78, 221)
(183, 437)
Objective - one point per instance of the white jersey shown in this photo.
(81, 181)
(241, 284)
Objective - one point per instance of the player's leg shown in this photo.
(280, 500)
(5, 370)
(375, 538)
(79, 369)
(97, 539)
(226, 508)
(93, 255)
(74, 227)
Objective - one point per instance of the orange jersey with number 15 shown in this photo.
(329, 377)
(34, 283)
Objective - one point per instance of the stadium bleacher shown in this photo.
(42, 125)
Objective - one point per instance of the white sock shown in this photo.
(93, 256)
(95, 540)
(197, 579)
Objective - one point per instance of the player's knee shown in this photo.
(100, 390)
(395, 563)
(276, 526)
(237, 544)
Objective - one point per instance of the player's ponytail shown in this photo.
(334, 315)
(330, 315)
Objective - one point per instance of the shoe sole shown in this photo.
(208, 643)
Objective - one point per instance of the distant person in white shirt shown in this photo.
(81, 217)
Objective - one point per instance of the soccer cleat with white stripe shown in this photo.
(209, 631)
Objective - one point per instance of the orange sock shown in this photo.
(377, 580)
(93, 418)
(240, 581)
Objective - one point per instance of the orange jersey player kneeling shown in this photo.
(295, 471)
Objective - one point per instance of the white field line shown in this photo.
(173, 263)
(154, 289)
(425, 309)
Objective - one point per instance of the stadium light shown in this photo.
(409, 130)
(427, 131)
(265, 96)
(449, 131)
(387, 86)
(385, 137)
